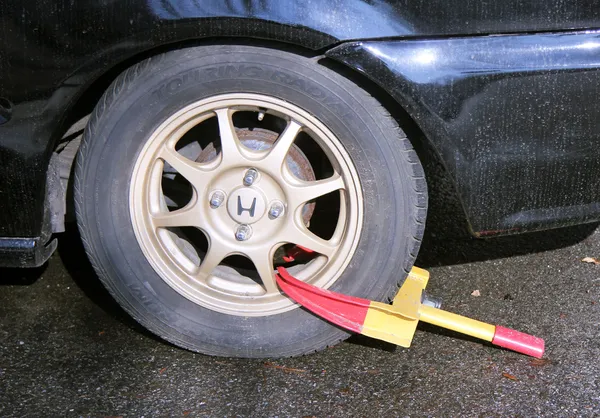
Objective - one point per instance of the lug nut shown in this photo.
(243, 232)
(250, 177)
(217, 199)
(276, 210)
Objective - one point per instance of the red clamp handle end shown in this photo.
(519, 342)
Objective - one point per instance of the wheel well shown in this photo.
(92, 94)
(446, 216)
(444, 202)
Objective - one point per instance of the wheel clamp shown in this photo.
(397, 323)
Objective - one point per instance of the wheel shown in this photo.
(201, 170)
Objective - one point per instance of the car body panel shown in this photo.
(52, 51)
(514, 119)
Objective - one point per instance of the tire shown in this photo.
(392, 193)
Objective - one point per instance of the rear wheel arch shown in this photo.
(93, 90)
(444, 200)
(66, 140)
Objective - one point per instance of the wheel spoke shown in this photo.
(156, 199)
(211, 260)
(307, 239)
(341, 222)
(280, 149)
(187, 216)
(301, 194)
(198, 174)
(187, 168)
(263, 261)
(230, 144)
(177, 193)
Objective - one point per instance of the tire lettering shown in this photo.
(232, 71)
(228, 71)
(211, 72)
(174, 85)
(315, 93)
(299, 83)
(281, 77)
(251, 71)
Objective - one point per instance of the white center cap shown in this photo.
(246, 205)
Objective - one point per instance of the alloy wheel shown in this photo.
(252, 192)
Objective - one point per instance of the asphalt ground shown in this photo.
(66, 348)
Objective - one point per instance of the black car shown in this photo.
(227, 138)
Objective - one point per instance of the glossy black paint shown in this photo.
(52, 51)
(514, 118)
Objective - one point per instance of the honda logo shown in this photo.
(246, 205)
(241, 209)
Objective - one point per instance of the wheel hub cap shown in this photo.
(246, 205)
